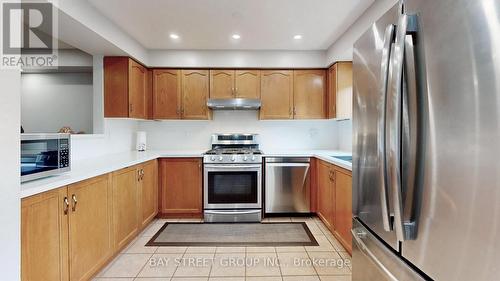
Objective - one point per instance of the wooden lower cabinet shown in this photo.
(148, 192)
(343, 207)
(44, 237)
(66, 234)
(326, 194)
(334, 200)
(90, 227)
(125, 206)
(181, 186)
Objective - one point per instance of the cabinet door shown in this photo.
(326, 200)
(90, 227)
(247, 84)
(195, 94)
(332, 92)
(44, 237)
(137, 90)
(181, 186)
(309, 94)
(343, 208)
(116, 101)
(344, 90)
(276, 94)
(222, 84)
(149, 192)
(166, 94)
(125, 205)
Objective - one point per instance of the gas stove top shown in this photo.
(242, 150)
(234, 148)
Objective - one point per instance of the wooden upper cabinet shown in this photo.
(339, 103)
(44, 237)
(222, 84)
(126, 89)
(276, 94)
(137, 90)
(90, 227)
(343, 207)
(247, 84)
(166, 94)
(181, 186)
(195, 92)
(309, 94)
(331, 103)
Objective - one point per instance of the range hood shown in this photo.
(234, 104)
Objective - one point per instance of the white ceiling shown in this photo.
(209, 24)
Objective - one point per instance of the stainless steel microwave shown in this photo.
(44, 155)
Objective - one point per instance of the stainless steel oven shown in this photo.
(233, 179)
(229, 186)
(44, 155)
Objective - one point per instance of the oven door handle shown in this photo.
(231, 212)
(235, 167)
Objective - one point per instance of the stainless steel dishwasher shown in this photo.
(287, 186)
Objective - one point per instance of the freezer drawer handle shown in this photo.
(358, 236)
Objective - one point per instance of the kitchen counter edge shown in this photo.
(93, 167)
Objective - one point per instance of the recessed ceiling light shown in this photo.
(174, 36)
(236, 36)
(297, 37)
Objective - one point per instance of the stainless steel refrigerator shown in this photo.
(426, 143)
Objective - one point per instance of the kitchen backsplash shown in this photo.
(279, 135)
(274, 135)
(344, 134)
(119, 136)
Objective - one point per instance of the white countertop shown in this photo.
(92, 167)
(325, 155)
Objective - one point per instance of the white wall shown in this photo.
(10, 218)
(50, 101)
(98, 94)
(275, 135)
(341, 49)
(230, 58)
(94, 23)
(118, 136)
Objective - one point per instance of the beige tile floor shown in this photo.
(327, 262)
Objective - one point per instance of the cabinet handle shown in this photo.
(131, 107)
(142, 174)
(294, 110)
(138, 175)
(178, 111)
(73, 208)
(66, 205)
(235, 91)
(290, 111)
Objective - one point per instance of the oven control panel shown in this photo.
(232, 158)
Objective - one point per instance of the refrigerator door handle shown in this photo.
(382, 124)
(393, 142)
(410, 134)
(405, 230)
